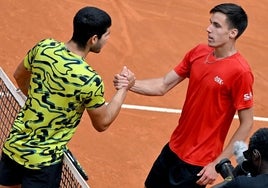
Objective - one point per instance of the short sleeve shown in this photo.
(184, 67)
(93, 93)
(198, 53)
(242, 91)
(30, 56)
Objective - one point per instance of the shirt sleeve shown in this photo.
(93, 94)
(30, 56)
(242, 91)
(184, 67)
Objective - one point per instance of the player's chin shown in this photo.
(96, 51)
(210, 44)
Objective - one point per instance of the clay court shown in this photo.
(150, 37)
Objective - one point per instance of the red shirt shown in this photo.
(217, 89)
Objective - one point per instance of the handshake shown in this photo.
(125, 79)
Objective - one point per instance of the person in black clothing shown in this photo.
(257, 159)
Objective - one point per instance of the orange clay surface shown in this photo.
(150, 37)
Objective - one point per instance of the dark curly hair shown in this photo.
(259, 141)
(89, 21)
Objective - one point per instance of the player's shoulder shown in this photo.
(199, 48)
(241, 62)
(49, 41)
(203, 46)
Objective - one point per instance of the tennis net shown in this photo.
(11, 100)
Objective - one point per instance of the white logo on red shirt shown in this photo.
(247, 96)
(218, 80)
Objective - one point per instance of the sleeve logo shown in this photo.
(247, 96)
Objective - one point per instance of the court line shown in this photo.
(172, 110)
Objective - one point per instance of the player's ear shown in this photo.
(256, 154)
(93, 40)
(233, 33)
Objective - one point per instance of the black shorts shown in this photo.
(169, 171)
(12, 173)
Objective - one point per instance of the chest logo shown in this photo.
(218, 80)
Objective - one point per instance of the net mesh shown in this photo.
(11, 101)
(8, 111)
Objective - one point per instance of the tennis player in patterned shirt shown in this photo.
(60, 85)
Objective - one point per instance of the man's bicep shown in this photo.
(22, 77)
(172, 79)
(246, 115)
(97, 117)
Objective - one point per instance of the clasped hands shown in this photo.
(125, 79)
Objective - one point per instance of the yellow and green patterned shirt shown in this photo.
(62, 86)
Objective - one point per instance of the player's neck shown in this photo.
(74, 48)
(225, 51)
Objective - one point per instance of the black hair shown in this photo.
(89, 21)
(259, 141)
(236, 16)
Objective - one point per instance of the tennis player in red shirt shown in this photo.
(220, 84)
